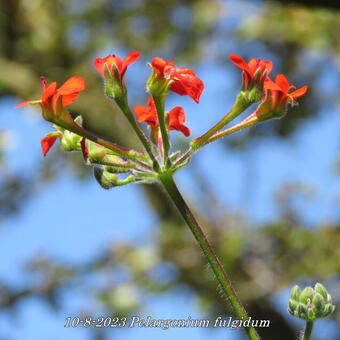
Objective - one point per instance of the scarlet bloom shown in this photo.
(280, 94)
(255, 73)
(47, 142)
(53, 100)
(176, 117)
(183, 80)
(110, 60)
(277, 96)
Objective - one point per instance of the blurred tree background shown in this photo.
(61, 38)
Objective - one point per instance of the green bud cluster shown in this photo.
(310, 304)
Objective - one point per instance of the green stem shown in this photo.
(250, 121)
(124, 106)
(160, 102)
(308, 330)
(208, 251)
(239, 106)
(182, 158)
(117, 149)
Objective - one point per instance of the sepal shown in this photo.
(157, 85)
(114, 85)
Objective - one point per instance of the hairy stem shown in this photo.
(250, 121)
(239, 106)
(117, 149)
(308, 330)
(139, 132)
(159, 102)
(175, 195)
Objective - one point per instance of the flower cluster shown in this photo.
(111, 159)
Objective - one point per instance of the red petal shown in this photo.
(47, 143)
(152, 105)
(49, 92)
(177, 119)
(72, 85)
(84, 148)
(130, 58)
(70, 90)
(239, 62)
(145, 115)
(119, 64)
(174, 72)
(69, 98)
(282, 81)
(192, 85)
(269, 66)
(270, 85)
(158, 65)
(299, 92)
(99, 66)
(253, 65)
(26, 103)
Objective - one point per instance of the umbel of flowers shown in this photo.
(156, 159)
(116, 165)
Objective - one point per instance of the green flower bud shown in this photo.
(295, 293)
(319, 288)
(107, 180)
(328, 310)
(306, 295)
(329, 298)
(301, 311)
(310, 304)
(70, 141)
(318, 302)
(292, 305)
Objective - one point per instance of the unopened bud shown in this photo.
(310, 304)
(107, 180)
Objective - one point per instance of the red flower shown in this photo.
(47, 142)
(278, 93)
(254, 73)
(277, 96)
(183, 80)
(53, 100)
(177, 120)
(99, 63)
(149, 115)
